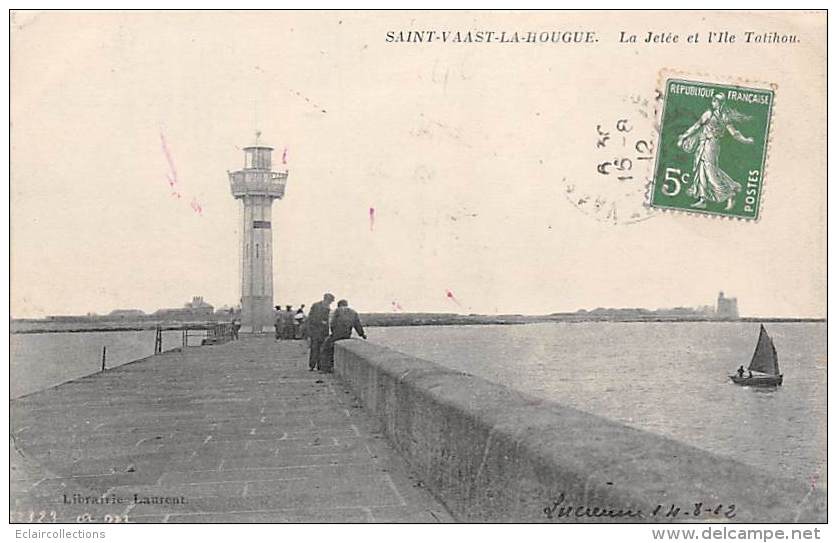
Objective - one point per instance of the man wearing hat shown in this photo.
(277, 321)
(317, 322)
(344, 320)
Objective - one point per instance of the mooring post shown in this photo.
(158, 340)
(104, 356)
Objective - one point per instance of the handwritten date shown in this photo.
(560, 509)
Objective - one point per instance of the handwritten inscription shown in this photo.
(107, 519)
(559, 508)
(33, 516)
(51, 517)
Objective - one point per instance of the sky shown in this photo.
(471, 157)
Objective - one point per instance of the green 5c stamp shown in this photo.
(712, 148)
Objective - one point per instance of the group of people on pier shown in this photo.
(289, 324)
(321, 327)
(324, 331)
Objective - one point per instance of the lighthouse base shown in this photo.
(257, 314)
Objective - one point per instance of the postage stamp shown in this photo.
(712, 148)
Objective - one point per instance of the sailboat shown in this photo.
(764, 367)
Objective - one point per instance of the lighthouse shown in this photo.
(256, 186)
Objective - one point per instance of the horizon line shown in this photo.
(578, 312)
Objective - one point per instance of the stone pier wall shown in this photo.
(493, 454)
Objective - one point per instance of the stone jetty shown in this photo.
(238, 432)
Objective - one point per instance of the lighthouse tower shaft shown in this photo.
(256, 186)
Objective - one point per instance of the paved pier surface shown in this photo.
(240, 432)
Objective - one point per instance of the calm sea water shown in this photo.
(39, 361)
(666, 378)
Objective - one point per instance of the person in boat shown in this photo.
(750, 372)
(740, 372)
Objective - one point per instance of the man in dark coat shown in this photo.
(317, 325)
(299, 318)
(288, 323)
(277, 321)
(344, 320)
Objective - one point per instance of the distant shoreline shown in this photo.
(42, 326)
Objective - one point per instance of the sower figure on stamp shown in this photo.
(317, 325)
(344, 320)
(704, 140)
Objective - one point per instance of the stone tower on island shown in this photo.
(727, 308)
(256, 186)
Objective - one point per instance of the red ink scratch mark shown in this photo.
(396, 307)
(814, 479)
(371, 218)
(450, 296)
(314, 104)
(285, 156)
(171, 175)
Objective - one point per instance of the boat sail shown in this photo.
(764, 366)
